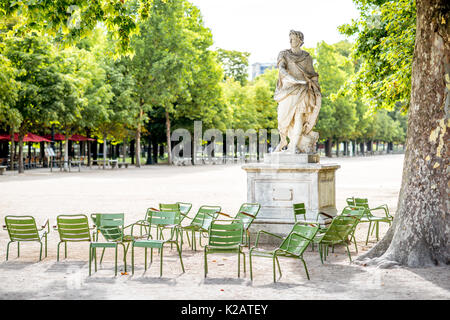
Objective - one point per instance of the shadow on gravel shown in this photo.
(227, 281)
(15, 265)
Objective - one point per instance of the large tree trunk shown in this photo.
(138, 138)
(21, 167)
(66, 152)
(328, 146)
(105, 150)
(13, 150)
(169, 143)
(420, 232)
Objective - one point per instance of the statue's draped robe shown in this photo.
(294, 97)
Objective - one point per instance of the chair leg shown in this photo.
(368, 232)
(125, 250)
(40, 251)
(273, 269)
(103, 253)
(306, 269)
(7, 250)
(65, 250)
(57, 252)
(348, 251)
(278, 263)
(181, 259)
(18, 249)
(161, 264)
(115, 261)
(46, 246)
(145, 266)
(243, 255)
(90, 259)
(250, 262)
(132, 259)
(206, 263)
(239, 265)
(95, 258)
(320, 253)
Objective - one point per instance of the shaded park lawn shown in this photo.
(132, 191)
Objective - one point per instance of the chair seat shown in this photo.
(223, 249)
(149, 243)
(103, 244)
(262, 252)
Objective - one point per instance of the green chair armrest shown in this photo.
(266, 232)
(225, 214)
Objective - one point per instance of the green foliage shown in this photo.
(384, 47)
(69, 21)
(234, 63)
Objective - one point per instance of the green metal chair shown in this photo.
(369, 216)
(185, 208)
(338, 232)
(111, 227)
(246, 215)
(225, 237)
(72, 228)
(200, 223)
(24, 229)
(159, 219)
(292, 246)
(299, 210)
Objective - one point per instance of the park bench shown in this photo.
(75, 162)
(120, 164)
(113, 163)
(2, 169)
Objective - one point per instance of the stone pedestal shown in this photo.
(284, 179)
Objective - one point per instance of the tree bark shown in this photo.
(105, 150)
(13, 150)
(419, 235)
(169, 142)
(21, 135)
(138, 138)
(328, 146)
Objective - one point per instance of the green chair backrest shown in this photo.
(340, 228)
(22, 228)
(295, 244)
(299, 209)
(169, 206)
(110, 225)
(360, 202)
(184, 207)
(74, 227)
(247, 213)
(163, 218)
(225, 235)
(205, 216)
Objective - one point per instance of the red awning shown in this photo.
(78, 137)
(58, 137)
(29, 137)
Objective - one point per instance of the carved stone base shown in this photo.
(284, 179)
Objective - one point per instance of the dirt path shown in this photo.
(45, 195)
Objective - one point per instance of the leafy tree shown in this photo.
(68, 21)
(419, 234)
(235, 64)
(172, 49)
(33, 58)
(384, 46)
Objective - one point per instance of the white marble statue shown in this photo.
(298, 96)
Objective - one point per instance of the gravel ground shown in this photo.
(46, 195)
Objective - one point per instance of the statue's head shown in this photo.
(296, 38)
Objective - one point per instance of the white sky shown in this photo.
(262, 27)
